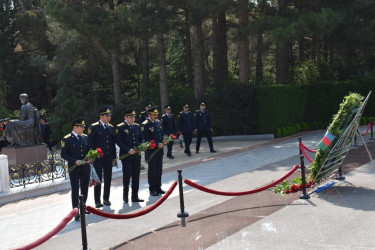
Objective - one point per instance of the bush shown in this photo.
(304, 126)
(284, 132)
(278, 133)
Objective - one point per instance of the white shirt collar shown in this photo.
(103, 124)
(127, 123)
(75, 134)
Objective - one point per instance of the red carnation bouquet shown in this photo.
(1, 131)
(141, 148)
(166, 140)
(92, 155)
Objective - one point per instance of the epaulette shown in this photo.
(197, 110)
(120, 124)
(95, 124)
(144, 122)
(143, 112)
(181, 112)
(136, 124)
(163, 115)
(67, 136)
(157, 120)
(84, 135)
(110, 125)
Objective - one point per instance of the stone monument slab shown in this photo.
(28, 154)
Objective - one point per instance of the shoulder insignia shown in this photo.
(143, 112)
(110, 125)
(95, 124)
(145, 122)
(163, 115)
(89, 131)
(67, 136)
(120, 124)
(136, 124)
(142, 128)
(197, 110)
(62, 144)
(116, 131)
(181, 112)
(84, 135)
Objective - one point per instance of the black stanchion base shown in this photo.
(372, 139)
(304, 196)
(340, 178)
(182, 215)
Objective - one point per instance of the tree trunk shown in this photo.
(145, 67)
(301, 49)
(282, 52)
(198, 61)
(163, 71)
(116, 79)
(243, 48)
(219, 47)
(259, 63)
(222, 44)
(188, 53)
(215, 53)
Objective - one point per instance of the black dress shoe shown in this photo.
(213, 151)
(126, 199)
(189, 154)
(98, 205)
(154, 193)
(137, 200)
(197, 152)
(171, 157)
(107, 203)
(161, 191)
(77, 217)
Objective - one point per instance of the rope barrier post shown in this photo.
(372, 129)
(82, 211)
(355, 145)
(300, 141)
(340, 177)
(304, 195)
(182, 214)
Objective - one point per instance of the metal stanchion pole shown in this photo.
(304, 195)
(372, 129)
(182, 214)
(300, 141)
(340, 177)
(82, 210)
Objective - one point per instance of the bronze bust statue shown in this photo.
(25, 131)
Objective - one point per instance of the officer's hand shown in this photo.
(131, 151)
(114, 162)
(212, 130)
(78, 162)
(88, 161)
(160, 145)
(195, 131)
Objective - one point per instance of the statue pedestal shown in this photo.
(4, 174)
(29, 154)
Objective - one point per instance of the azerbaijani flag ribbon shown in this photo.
(326, 141)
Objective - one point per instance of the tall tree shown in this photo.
(243, 47)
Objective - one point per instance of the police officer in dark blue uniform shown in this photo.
(74, 148)
(128, 137)
(101, 134)
(169, 127)
(152, 130)
(46, 132)
(186, 126)
(202, 125)
(144, 114)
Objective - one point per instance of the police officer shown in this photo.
(101, 134)
(6, 121)
(186, 125)
(74, 148)
(202, 125)
(152, 130)
(46, 132)
(144, 114)
(129, 136)
(169, 127)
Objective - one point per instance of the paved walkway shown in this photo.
(242, 168)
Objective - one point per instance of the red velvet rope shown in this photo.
(52, 233)
(137, 214)
(305, 154)
(257, 190)
(368, 129)
(306, 148)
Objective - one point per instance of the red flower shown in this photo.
(152, 145)
(1, 129)
(287, 191)
(152, 142)
(171, 135)
(99, 150)
(300, 187)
